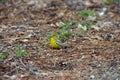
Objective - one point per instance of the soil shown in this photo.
(90, 55)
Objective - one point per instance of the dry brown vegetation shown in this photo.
(90, 55)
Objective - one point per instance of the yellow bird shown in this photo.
(55, 41)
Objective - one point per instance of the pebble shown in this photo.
(92, 76)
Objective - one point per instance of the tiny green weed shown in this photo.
(64, 34)
(87, 13)
(89, 24)
(108, 1)
(21, 52)
(2, 56)
(49, 36)
(117, 1)
(85, 25)
(2, 0)
(67, 25)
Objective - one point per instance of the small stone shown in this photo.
(14, 77)
(92, 76)
(31, 3)
(61, 14)
(83, 57)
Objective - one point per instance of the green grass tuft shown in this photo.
(21, 52)
(2, 56)
(87, 13)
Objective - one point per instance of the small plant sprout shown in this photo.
(2, 0)
(67, 25)
(85, 26)
(64, 34)
(2, 56)
(49, 36)
(109, 1)
(21, 52)
(89, 24)
(85, 12)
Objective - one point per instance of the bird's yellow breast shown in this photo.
(53, 43)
